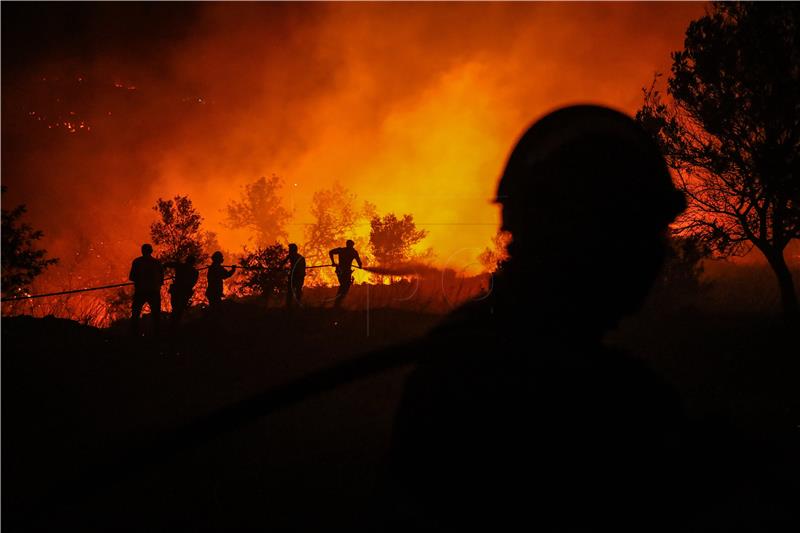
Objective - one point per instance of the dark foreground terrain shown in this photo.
(80, 405)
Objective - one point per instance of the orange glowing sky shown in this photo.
(414, 107)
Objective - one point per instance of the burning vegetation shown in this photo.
(367, 122)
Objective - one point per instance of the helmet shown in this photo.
(586, 162)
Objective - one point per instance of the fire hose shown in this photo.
(116, 285)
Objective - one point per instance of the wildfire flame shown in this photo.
(414, 108)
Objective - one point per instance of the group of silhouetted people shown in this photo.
(147, 275)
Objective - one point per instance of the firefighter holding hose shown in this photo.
(344, 269)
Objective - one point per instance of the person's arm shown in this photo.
(334, 251)
(231, 272)
(132, 275)
(358, 260)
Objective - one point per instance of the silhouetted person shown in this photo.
(147, 276)
(344, 268)
(182, 287)
(216, 275)
(519, 416)
(297, 276)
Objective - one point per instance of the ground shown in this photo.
(77, 401)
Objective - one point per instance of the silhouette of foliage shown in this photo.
(369, 210)
(335, 219)
(681, 278)
(263, 271)
(118, 304)
(493, 258)
(683, 265)
(260, 209)
(731, 131)
(391, 239)
(178, 233)
(22, 262)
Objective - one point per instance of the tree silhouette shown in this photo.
(492, 259)
(22, 262)
(335, 218)
(260, 209)
(263, 271)
(178, 232)
(731, 131)
(680, 281)
(391, 239)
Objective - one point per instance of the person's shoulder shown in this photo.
(630, 381)
(466, 338)
(473, 316)
(625, 364)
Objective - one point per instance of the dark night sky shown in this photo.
(44, 31)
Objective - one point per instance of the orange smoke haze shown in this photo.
(414, 107)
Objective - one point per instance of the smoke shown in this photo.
(404, 269)
(414, 107)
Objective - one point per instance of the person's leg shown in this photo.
(295, 293)
(347, 282)
(214, 303)
(136, 311)
(341, 291)
(155, 311)
(178, 306)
